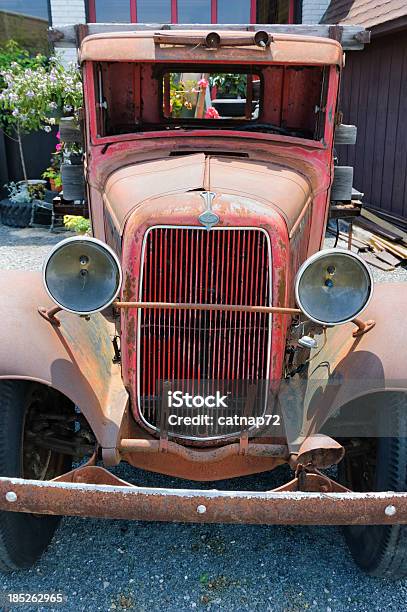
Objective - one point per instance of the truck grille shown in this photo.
(193, 265)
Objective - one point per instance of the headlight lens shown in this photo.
(333, 286)
(82, 275)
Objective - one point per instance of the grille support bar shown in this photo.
(225, 307)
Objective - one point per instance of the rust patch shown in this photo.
(128, 288)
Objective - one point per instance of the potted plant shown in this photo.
(21, 79)
(53, 177)
(78, 224)
(72, 172)
(32, 97)
(53, 173)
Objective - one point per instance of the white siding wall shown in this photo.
(64, 12)
(313, 10)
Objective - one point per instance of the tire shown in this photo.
(381, 550)
(15, 215)
(24, 537)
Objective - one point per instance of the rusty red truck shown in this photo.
(203, 332)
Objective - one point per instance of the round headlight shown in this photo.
(82, 275)
(333, 286)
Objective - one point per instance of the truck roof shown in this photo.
(181, 46)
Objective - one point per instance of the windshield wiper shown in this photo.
(267, 127)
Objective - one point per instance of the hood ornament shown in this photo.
(208, 218)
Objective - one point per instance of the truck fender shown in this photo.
(349, 368)
(75, 358)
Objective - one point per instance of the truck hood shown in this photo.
(281, 187)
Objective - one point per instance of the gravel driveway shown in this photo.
(118, 565)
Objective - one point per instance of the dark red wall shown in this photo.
(374, 97)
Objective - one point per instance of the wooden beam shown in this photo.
(352, 37)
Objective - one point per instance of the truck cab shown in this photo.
(203, 332)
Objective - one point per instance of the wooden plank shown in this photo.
(353, 113)
(389, 152)
(373, 227)
(399, 193)
(353, 37)
(366, 144)
(381, 122)
(389, 258)
(360, 121)
(396, 249)
(368, 214)
(357, 242)
(393, 219)
(371, 259)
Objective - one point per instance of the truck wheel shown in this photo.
(24, 537)
(380, 550)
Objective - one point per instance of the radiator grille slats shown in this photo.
(221, 266)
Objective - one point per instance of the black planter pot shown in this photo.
(73, 181)
(15, 215)
(75, 159)
(231, 107)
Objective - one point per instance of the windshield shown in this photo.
(135, 98)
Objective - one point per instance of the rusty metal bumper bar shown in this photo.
(208, 506)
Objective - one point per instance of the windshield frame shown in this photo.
(333, 77)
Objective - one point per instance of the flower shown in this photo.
(47, 128)
(212, 113)
(203, 83)
(58, 147)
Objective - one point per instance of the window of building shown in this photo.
(276, 11)
(191, 11)
(154, 11)
(112, 12)
(194, 11)
(237, 11)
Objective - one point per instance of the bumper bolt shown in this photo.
(201, 509)
(11, 496)
(390, 510)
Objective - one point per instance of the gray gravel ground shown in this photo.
(118, 565)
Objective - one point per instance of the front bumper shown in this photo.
(125, 501)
